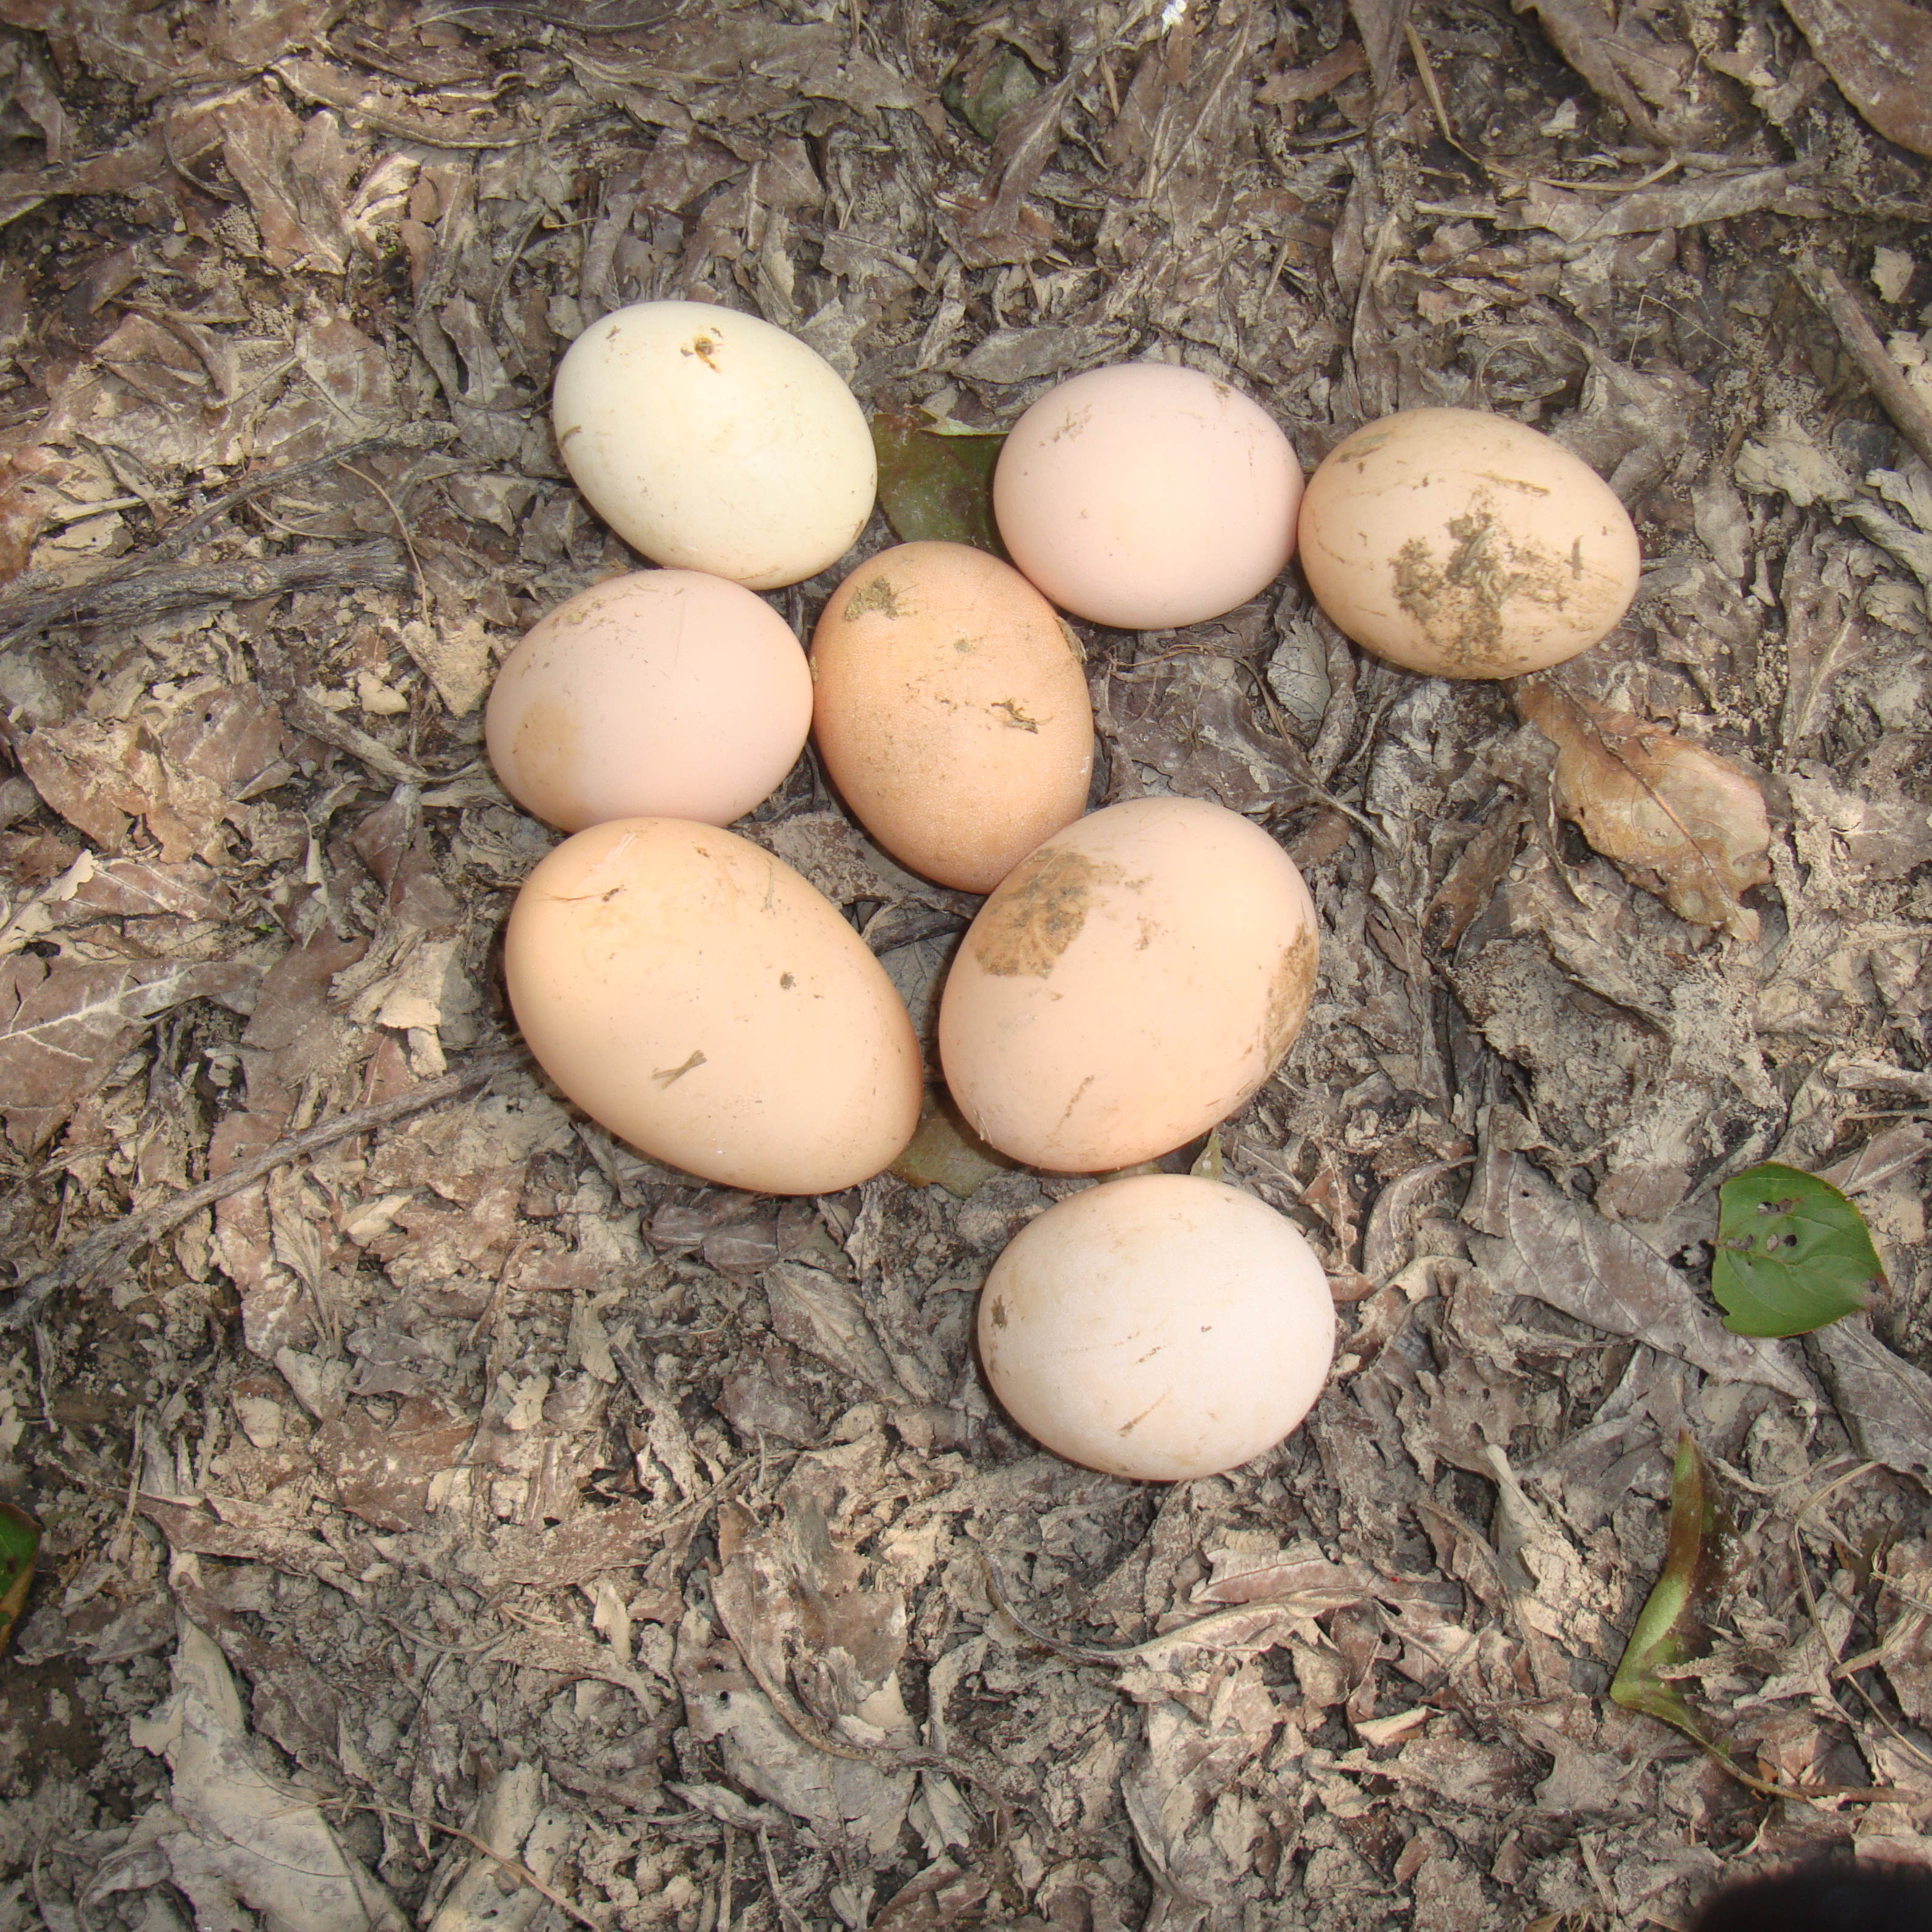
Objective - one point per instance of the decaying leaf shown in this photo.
(65, 1022)
(1793, 1253)
(945, 1152)
(1885, 1403)
(936, 488)
(1679, 821)
(1566, 1254)
(1879, 52)
(19, 1539)
(1670, 1625)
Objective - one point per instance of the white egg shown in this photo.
(710, 440)
(1159, 1327)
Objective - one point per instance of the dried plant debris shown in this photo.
(437, 1500)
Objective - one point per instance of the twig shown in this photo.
(787, 1912)
(521, 1873)
(107, 1246)
(1846, 314)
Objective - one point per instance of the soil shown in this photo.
(448, 1513)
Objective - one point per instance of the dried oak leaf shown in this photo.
(65, 1022)
(1677, 820)
(1879, 53)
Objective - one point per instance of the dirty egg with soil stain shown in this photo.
(1129, 984)
(950, 707)
(701, 999)
(1159, 1327)
(1463, 545)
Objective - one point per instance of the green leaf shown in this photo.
(1792, 1254)
(1004, 85)
(20, 1538)
(937, 486)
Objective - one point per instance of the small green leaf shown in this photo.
(1668, 1622)
(20, 1538)
(937, 486)
(1003, 86)
(1792, 1254)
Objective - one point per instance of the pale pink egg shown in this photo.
(1147, 496)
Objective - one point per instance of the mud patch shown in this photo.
(1288, 997)
(1460, 602)
(877, 595)
(1037, 914)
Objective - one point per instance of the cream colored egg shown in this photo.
(701, 999)
(709, 440)
(1130, 983)
(1161, 1327)
(1147, 496)
(1463, 544)
(950, 708)
(665, 693)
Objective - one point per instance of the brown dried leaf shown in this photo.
(1564, 1253)
(383, 1474)
(817, 1313)
(1885, 1403)
(1677, 820)
(1192, 718)
(65, 1022)
(140, 888)
(1879, 53)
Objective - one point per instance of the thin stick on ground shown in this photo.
(521, 1873)
(115, 1243)
(1909, 412)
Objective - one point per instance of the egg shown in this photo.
(703, 1001)
(1146, 496)
(950, 709)
(1464, 544)
(1131, 982)
(712, 441)
(664, 694)
(1160, 1326)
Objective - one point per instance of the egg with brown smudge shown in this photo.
(1463, 545)
(1130, 983)
(1160, 1326)
(701, 999)
(664, 693)
(950, 708)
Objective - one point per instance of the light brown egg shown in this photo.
(1464, 544)
(1160, 1326)
(664, 693)
(701, 999)
(1145, 495)
(950, 708)
(1130, 983)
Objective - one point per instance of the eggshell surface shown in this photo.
(1146, 496)
(950, 709)
(1131, 982)
(710, 440)
(702, 1000)
(1463, 544)
(1160, 1326)
(666, 693)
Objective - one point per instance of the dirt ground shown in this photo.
(456, 1516)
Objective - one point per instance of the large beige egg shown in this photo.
(703, 1001)
(710, 440)
(1464, 544)
(1147, 496)
(1161, 1327)
(664, 694)
(1130, 983)
(950, 708)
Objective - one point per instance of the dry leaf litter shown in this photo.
(470, 1523)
